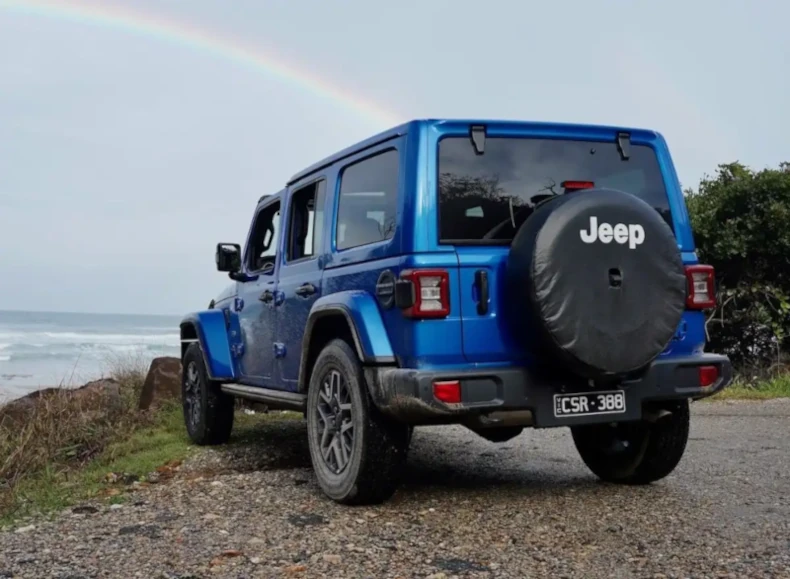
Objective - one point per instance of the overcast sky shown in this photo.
(124, 157)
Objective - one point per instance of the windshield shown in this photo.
(485, 198)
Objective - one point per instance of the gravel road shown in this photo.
(469, 508)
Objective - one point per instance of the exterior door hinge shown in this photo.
(279, 350)
(237, 349)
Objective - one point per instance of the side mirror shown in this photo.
(228, 257)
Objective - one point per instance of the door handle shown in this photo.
(267, 296)
(481, 282)
(305, 290)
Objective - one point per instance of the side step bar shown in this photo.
(274, 399)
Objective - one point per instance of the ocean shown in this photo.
(43, 349)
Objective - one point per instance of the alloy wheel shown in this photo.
(192, 394)
(335, 422)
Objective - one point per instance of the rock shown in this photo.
(163, 382)
(150, 531)
(307, 520)
(17, 411)
(108, 390)
(99, 394)
(26, 529)
(85, 510)
(165, 517)
(332, 559)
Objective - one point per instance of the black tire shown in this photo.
(376, 451)
(208, 412)
(635, 453)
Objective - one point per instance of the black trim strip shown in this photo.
(276, 399)
(333, 160)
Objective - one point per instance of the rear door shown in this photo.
(300, 276)
(485, 198)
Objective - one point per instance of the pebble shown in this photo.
(463, 512)
(26, 529)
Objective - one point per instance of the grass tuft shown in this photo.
(65, 446)
(129, 456)
(742, 389)
(49, 439)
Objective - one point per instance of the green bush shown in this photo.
(741, 221)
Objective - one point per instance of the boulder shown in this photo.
(107, 391)
(93, 396)
(163, 382)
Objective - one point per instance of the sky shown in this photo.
(127, 153)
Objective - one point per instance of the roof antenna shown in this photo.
(477, 134)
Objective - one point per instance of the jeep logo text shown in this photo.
(633, 234)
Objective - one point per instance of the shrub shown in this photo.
(741, 221)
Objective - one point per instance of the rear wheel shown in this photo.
(357, 453)
(635, 452)
(208, 412)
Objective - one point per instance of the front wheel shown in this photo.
(208, 412)
(357, 453)
(635, 452)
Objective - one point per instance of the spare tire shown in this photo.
(598, 283)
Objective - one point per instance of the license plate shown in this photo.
(589, 403)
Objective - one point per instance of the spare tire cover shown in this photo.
(599, 277)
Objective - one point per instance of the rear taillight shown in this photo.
(423, 293)
(701, 292)
(708, 375)
(447, 391)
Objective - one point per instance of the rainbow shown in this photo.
(188, 36)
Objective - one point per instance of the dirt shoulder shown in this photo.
(469, 508)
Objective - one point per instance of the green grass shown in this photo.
(163, 442)
(56, 487)
(777, 387)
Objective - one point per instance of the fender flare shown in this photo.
(209, 329)
(361, 312)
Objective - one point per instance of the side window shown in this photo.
(368, 201)
(306, 221)
(264, 240)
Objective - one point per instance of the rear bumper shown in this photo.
(407, 394)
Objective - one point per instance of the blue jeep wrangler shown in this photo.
(492, 274)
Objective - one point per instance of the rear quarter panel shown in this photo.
(427, 343)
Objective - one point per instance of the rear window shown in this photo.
(485, 198)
